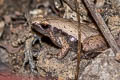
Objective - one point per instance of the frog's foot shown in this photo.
(29, 55)
(29, 59)
(64, 50)
(37, 39)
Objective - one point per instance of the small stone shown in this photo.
(2, 25)
(7, 18)
(23, 40)
(15, 44)
(60, 78)
(99, 3)
(118, 56)
(36, 12)
(1, 2)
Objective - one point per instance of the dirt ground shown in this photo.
(16, 34)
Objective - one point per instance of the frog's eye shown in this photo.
(44, 26)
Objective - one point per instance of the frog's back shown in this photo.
(71, 27)
(67, 26)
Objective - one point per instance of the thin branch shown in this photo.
(102, 26)
(79, 40)
(72, 7)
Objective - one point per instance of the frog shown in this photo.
(64, 33)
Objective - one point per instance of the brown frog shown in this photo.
(64, 33)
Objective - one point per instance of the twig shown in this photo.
(72, 7)
(79, 41)
(102, 26)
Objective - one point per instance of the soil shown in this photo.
(16, 31)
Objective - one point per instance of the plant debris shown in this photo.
(31, 55)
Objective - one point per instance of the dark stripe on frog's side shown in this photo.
(42, 29)
(69, 26)
(61, 33)
(73, 44)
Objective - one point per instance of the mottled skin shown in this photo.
(56, 28)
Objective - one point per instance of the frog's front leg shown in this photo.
(55, 39)
(65, 48)
(61, 42)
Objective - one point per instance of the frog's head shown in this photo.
(39, 21)
(46, 30)
(40, 26)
